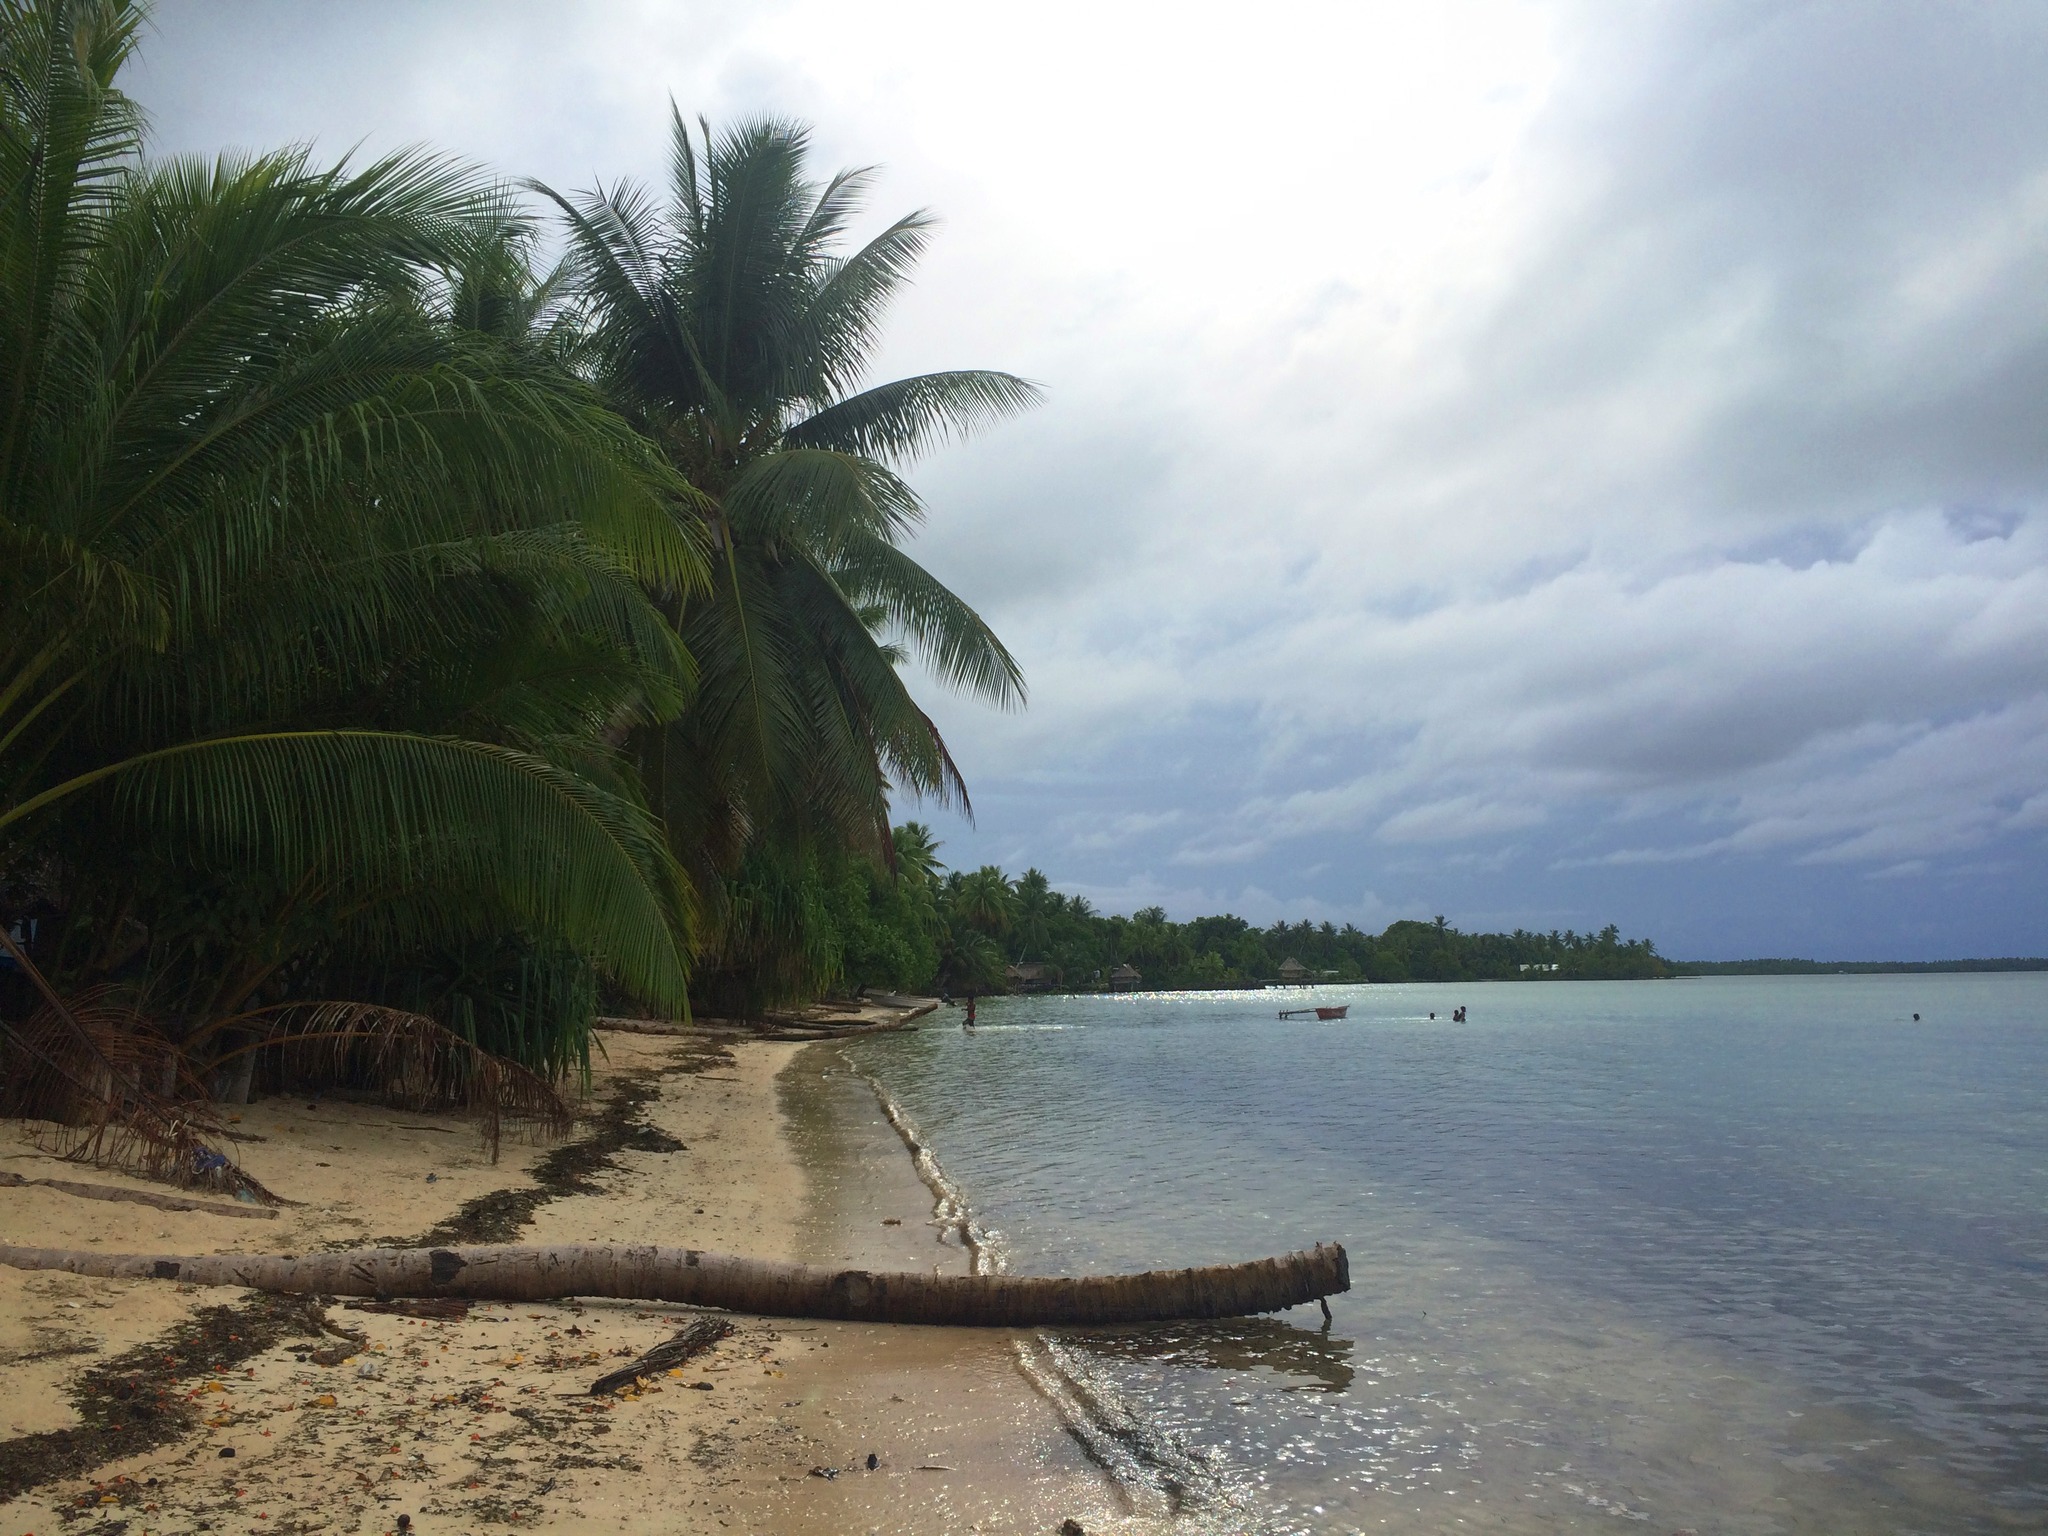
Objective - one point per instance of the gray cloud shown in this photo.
(1604, 478)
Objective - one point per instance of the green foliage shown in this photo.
(734, 329)
(888, 939)
(925, 928)
(983, 900)
(986, 922)
(323, 577)
(777, 942)
(511, 996)
(392, 625)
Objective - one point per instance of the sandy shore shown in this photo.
(139, 1407)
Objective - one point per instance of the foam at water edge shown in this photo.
(950, 1212)
(1157, 1473)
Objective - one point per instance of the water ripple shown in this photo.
(1715, 1252)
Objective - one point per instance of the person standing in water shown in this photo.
(968, 1022)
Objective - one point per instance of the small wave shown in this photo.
(1154, 1470)
(950, 1210)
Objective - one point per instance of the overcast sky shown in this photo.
(1545, 464)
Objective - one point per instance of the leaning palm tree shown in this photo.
(309, 589)
(736, 334)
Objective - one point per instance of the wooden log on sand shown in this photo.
(691, 1277)
(647, 1026)
(143, 1196)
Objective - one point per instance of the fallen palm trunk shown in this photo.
(762, 1287)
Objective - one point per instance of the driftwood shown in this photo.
(692, 1341)
(762, 1287)
(917, 1006)
(445, 1309)
(647, 1026)
(139, 1197)
(777, 1027)
(821, 1021)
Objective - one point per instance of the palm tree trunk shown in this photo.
(231, 1084)
(758, 1286)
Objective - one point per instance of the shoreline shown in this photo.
(485, 1422)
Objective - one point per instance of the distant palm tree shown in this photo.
(917, 853)
(732, 328)
(1036, 902)
(985, 901)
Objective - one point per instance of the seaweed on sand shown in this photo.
(131, 1404)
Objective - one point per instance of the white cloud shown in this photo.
(1115, 831)
(1458, 819)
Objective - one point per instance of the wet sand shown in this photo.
(486, 1422)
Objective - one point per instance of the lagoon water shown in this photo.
(1731, 1255)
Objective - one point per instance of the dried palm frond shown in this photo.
(98, 1068)
(416, 1061)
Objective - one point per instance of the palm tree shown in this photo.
(917, 853)
(313, 596)
(985, 901)
(1036, 903)
(734, 332)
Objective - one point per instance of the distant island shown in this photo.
(920, 926)
(1848, 967)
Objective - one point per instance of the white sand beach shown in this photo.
(486, 1422)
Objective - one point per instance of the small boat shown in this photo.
(1333, 1013)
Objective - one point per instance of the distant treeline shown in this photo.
(1222, 951)
(922, 926)
(983, 930)
(1847, 967)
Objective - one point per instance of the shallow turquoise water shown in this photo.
(1738, 1254)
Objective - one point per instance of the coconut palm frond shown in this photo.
(944, 633)
(908, 417)
(414, 1061)
(819, 497)
(394, 810)
(327, 577)
(113, 1092)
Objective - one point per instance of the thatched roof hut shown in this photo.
(1125, 978)
(1031, 976)
(1292, 970)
